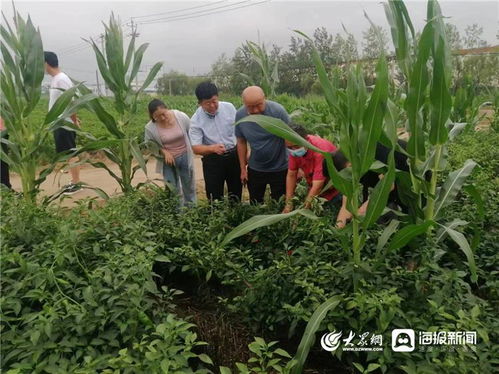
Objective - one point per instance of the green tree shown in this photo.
(246, 69)
(175, 83)
(473, 36)
(350, 51)
(453, 36)
(375, 41)
(298, 75)
(221, 74)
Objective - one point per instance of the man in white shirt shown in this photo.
(212, 136)
(65, 140)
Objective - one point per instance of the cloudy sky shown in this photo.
(189, 36)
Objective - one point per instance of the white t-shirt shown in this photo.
(58, 85)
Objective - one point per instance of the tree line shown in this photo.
(291, 71)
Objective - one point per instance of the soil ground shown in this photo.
(96, 177)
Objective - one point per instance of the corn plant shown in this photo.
(427, 69)
(119, 70)
(360, 118)
(21, 82)
(269, 68)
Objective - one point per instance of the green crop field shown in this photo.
(136, 284)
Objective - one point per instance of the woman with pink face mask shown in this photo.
(310, 163)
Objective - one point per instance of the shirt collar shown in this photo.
(211, 115)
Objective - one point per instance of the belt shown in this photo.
(229, 151)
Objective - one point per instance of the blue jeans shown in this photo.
(181, 176)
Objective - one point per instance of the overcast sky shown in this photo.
(189, 36)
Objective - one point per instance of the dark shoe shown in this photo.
(70, 189)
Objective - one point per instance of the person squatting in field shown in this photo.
(369, 180)
(311, 163)
(169, 130)
(212, 136)
(268, 160)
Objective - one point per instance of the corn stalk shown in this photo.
(119, 70)
(361, 118)
(268, 68)
(427, 69)
(21, 80)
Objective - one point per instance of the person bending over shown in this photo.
(369, 180)
(311, 163)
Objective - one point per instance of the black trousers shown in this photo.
(221, 169)
(4, 167)
(258, 180)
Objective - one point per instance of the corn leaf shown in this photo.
(137, 154)
(34, 66)
(279, 128)
(137, 60)
(313, 325)
(60, 105)
(387, 233)
(152, 74)
(103, 69)
(440, 98)
(452, 186)
(434, 14)
(262, 221)
(106, 118)
(379, 196)
(78, 103)
(395, 14)
(441, 234)
(406, 234)
(463, 244)
(114, 52)
(373, 117)
(418, 83)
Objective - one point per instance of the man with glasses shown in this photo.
(212, 136)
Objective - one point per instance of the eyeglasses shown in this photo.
(160, 114)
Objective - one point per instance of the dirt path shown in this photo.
(100, 178)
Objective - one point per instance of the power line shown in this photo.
(209, 12)
(181, 10)
(191, 13)
(231, 7)
(82, 45)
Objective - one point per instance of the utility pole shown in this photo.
(170, 86)
(98, 85)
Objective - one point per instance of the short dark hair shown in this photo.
(339, 161)
(154, 105)
(299, 129)
(205, 91)
(51, 59)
